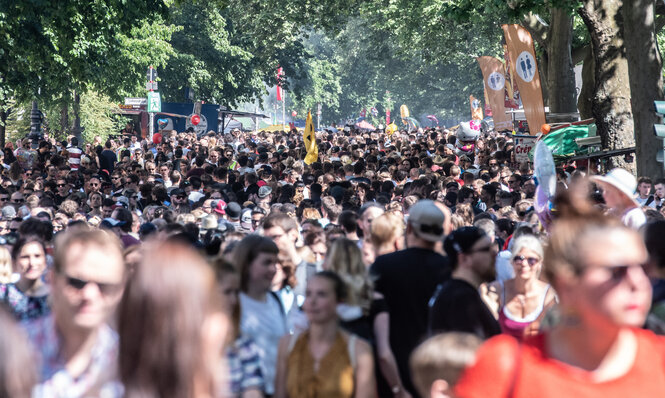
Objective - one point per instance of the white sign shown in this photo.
(496, 81)
(525, 66)
(523, 147)
(136, 101)
(200, 128)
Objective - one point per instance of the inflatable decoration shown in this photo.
(545, 175)
(467, 135)
(196, 119)
(391, 128)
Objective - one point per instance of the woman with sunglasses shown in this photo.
(521, 303)
(597, 348)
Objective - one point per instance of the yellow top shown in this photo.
(334, 377)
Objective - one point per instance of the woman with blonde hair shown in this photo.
(597, 349)
(521, 303)
(6, 268)
(364, 312)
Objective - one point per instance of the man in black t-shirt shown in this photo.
(407, 279)
(107, 158)
(456, 306)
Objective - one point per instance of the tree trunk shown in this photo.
(646, 82)
(64, 118)
(611, 100)
(560, 74)
(585, 100)
(3, 126)
(76, 130)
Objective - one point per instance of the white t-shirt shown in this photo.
(265, 322)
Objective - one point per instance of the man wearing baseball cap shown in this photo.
(408, 278)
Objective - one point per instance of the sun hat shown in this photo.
(427, 220)
(620, 179)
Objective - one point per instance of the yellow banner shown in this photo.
(525, 71)
(310, 141)
(476, 109)
(494, 76)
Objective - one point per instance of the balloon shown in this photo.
(196, 119)
(391, 128)
(404, 111)
(294, 113)
(156, 138)
(545, 129)
(162, 123)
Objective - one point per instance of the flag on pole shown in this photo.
(525, 70)
(310, 141)
(280, 73)
(494, 75)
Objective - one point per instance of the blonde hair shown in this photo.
(385, 229)
(444, 356)
(346, 259)
(6, 269)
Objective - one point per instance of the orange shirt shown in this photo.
(494, 372)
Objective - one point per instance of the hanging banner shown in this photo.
(280, 74)
(525, 71)
(494, 76)
(476, 109)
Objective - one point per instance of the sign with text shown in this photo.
(136, 101)
(523, 147)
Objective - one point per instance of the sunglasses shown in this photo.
(531, 260)
(18, 200)
(618, 273)
(4, 199)
(104, 288)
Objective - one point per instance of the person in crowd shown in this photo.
(596, 349)
(324, 361)
(77, 347)
(387, 234)
(283, 230)
(407, 279)
(172, 327)
(262, 314)
(364, 312)
(521, 303)
(438, 362)
(618, 187)
(28, 298)
(242, 354)
(18, 372)
(653, 233)
(456, 306)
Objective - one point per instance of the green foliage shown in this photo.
(99, 116)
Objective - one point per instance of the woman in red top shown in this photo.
(596, 349)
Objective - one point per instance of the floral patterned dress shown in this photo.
(23, 307)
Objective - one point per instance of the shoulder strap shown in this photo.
(279, 301)
(649, 200)
(351, 347)
(542, 303)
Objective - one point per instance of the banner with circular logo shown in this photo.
(496, 81)
(525, 66)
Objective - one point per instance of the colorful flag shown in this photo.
(525, 70)
(310, 141)
(280, 74)
(494, 75)
(476, 109)
(387, 116)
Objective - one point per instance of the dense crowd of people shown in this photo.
(223, 265)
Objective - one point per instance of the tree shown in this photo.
(646, 81)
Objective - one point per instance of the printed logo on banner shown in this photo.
(525, 66)
(496, 81)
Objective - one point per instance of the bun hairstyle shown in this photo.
(461, 240)
(577, 221)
